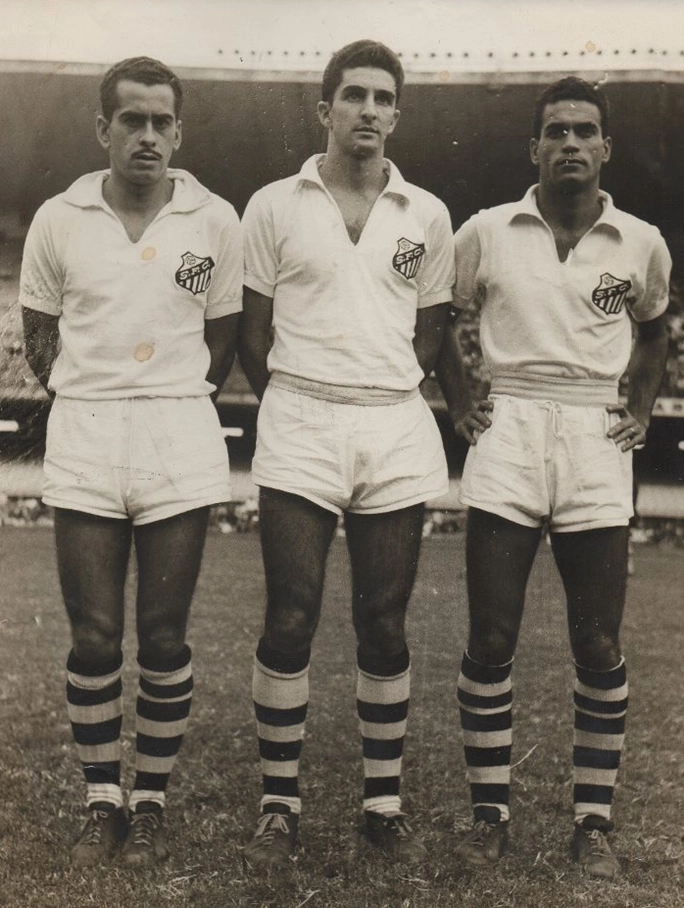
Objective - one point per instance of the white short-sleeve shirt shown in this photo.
(131, 315)
(345, 314)
(565, 322)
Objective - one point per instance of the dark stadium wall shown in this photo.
(466, 143)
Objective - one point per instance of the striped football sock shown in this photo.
(382, 699)
(162, 710)
(95, 709)
(280, 690)
(600, 710)
(485, 698)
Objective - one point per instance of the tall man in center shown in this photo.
(349, 272)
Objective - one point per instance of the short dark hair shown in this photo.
(570, 88)
(138, 69)
(361, 53)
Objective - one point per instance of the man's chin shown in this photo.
(364, 151)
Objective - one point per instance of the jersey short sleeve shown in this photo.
(261, 263)
(225, 293)
(436, 278)
(467, 250)
(41, 281)
(656, 291)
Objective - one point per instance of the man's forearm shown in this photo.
(646, 369)
(253, 361)
(451, 375)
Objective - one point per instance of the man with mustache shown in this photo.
(561, 275)
(131, 288)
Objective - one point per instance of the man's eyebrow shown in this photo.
(565, 124)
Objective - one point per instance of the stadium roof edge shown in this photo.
(444, 75)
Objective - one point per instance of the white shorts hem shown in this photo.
(515, 516)
(180, 507)
(421, 498)
(508, 513)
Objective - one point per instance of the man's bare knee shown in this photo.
(381, 633)
(596, 650)
(495, 646)
(290, 629)
(160, 641)
(96, 641)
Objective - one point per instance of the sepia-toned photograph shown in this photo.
(341, 453)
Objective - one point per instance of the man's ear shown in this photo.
(102, 131)
(534, 151)
(323, 111)
(607, 149)
(179, 135)
(397, 114)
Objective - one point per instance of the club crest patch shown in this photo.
(611, 293)
(195, 272)
(407, 257)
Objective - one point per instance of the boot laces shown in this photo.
(269, 824)
(599, 843)
(144, 826)
(480, 832)
(399, 826)
(93, 833)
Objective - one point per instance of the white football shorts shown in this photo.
(544, 460)
(348, 456)
(143, 458)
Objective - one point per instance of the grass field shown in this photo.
(215, 789)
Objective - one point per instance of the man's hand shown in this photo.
(629, 433)
(474, 422)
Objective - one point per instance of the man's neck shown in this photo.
(575, 211)
(121, 195)
(362, 175)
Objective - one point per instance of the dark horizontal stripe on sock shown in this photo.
(102, 773)
(609, 680)
(166, 691)
(381, 787)
(280, 718)
(593, 758)
(492, 722)
(151, 781)
(482, 793)
(592, 794)
(158, 747)
(282, 663)
(481, 701)
(281, 788)
(79, 696)
(163, 712)
(280, 751)
(382, 713)
(607, 707)
(93, 669)
(599, 726)
(97, 732)
(378, 749)
(383, 666)
(487, 756)
(484, 674)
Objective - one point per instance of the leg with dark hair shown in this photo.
(295, 539)
(499, 558)
(593, 566)
(92, 559)
(169, 555)
(384, 550)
